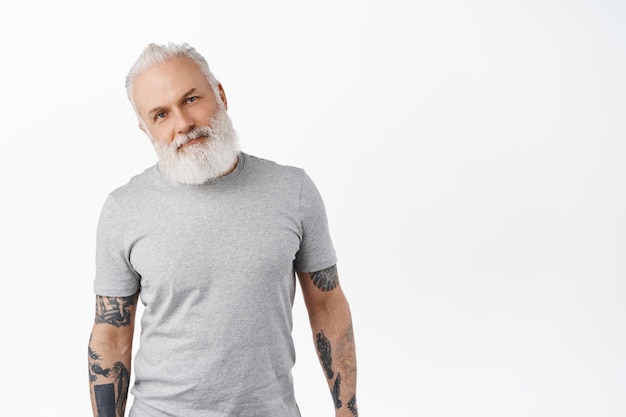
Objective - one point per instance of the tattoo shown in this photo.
(323, 346)
(105, 393)
(123, 381)
(352, 406)
(335, 392)
(94, 367)
(326, 279)
(114, 310)
(105, 400)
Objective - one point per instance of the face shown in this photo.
(188, 126)
(174, 97)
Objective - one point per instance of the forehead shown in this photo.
(165, 82)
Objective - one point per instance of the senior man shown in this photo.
(210, 240)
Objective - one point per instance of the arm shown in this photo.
(331, 323)
(110, 349)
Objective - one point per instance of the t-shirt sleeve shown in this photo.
(115, 276)
(316, 248)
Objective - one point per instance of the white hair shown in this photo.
(200, 162)
(155, 54)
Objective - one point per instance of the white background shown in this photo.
(470, 154)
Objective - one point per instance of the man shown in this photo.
(209, 239)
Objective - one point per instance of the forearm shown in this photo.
(334, 339)
(109, 376)
(109, 355)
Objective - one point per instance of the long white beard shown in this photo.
(200, 162)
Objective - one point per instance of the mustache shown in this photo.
(195, 133)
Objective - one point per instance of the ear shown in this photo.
(142, 127)
(222, 95)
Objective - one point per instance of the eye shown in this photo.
(192, 99)
(159, 115)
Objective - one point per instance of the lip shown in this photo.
(192, 141)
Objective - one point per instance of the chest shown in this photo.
(209, 243)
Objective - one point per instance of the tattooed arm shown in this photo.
(110, 349)
(331, 323)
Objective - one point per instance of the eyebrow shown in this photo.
(159, 108)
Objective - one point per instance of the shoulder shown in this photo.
(132, 193)
(136, 185)
(282, 182)
(262, 165)
(269, 171)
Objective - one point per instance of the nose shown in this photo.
(184, 122)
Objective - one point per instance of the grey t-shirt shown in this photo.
(214, 264)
